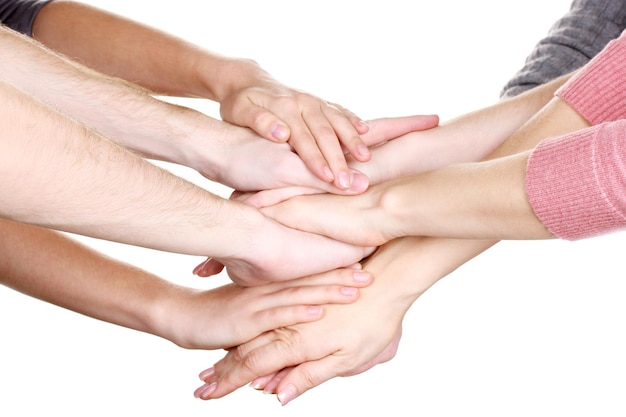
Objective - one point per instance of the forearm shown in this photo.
(51, 267)
(467, 138)
(121, 111)
(57, 173)
(123, 48)
(484, 200)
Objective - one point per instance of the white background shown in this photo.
(528, 328)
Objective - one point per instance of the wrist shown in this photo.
(222, 77)
(393, 211)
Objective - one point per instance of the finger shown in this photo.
(349, 138)
(306, 376)
(359, 124)
(352, 275)
(260, 383)
(359, 184)
(385, 129)
(208, 268)
(262, 121)
(272, 197)
(272, 384)
(329, 144)
(262, 356)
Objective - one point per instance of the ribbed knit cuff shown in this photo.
(575, 186)
(598, 90)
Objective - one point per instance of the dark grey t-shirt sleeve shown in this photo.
(571, 42)
(19, 15)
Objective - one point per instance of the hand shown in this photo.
(240, 160)
(231, 314)
(358, 220)
(273, 252)
(300, 108)
(317, 130)
(345, 342)
(348, 340)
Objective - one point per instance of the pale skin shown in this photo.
(47, 164)
(162, 131)
(319, 131)
(41, 180)
(292, 360)
(466, 138)
(480, 200)
(52, 267)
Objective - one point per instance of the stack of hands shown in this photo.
(335, 226)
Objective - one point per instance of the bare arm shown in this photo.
(57, 173)
(168, 65)
(54, 268)
(484, 200)
(412, 264)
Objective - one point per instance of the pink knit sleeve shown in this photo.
(598, 90)
(576, 183)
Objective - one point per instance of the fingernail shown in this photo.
(344, 179)
(314, 310)
(279, 131)
(198, 268)
(205, 391)
(363, 150)
(287, 394)
(207, 373)
(361, 276)
(348, 290)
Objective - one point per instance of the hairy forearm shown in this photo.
(59, 174)
(121, 111)
(115, 45)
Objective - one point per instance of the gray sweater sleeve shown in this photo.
(19, 15)
(571, 42)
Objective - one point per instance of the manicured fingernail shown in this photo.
(345, 180)
(287, 394)
(279, 131)
(198, 269)
(328, 173)
(360, 276)
(314, 310)
(348, 290)
(205, 391)
(207, 373)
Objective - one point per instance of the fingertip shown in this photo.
(315, 311)
(362, 127)
(359, 182)
(287, 394)
(361, 276)
(279, 132)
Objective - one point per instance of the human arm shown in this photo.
(469, 137)
(56, 173)
(347, 340)
(158, 130)
(419, 257)
(468, 200)
(248, 95)
(54, 268)
(574, 181)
